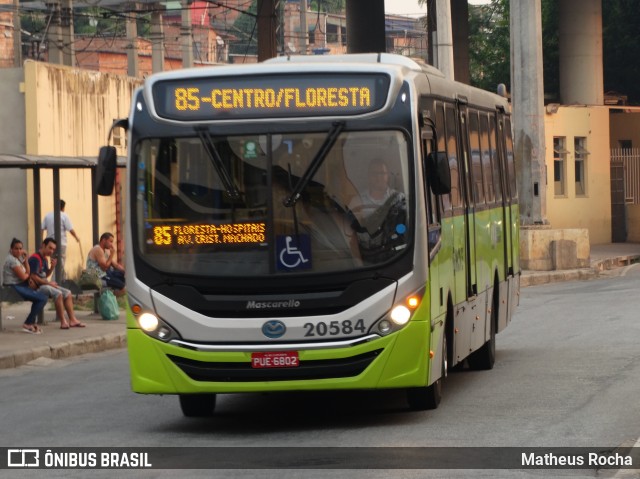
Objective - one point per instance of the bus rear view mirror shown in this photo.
(438, 173)
(106, 170)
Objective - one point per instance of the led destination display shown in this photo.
(216, 98)
(208, 234)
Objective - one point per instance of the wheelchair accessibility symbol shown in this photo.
(294, 252)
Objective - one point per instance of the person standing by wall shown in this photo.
(48, 226)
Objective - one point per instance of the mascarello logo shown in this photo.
(23, 458)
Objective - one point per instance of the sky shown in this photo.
(411, 7)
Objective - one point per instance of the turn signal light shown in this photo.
(413, 302)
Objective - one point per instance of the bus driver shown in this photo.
(379, 215)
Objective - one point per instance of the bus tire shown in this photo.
(198, 405)
(485, 357)
(429, 397)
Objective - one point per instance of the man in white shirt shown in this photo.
(65, 226)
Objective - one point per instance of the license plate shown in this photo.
(284, 359)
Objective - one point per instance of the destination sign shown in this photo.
(272, 96)
(208, 234)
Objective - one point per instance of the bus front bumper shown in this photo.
(396, 361)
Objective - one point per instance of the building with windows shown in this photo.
(577, 169)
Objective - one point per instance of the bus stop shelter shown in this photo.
(36, 164)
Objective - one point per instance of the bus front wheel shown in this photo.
(429, 397)
(198, 405)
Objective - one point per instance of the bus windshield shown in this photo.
(220, 206)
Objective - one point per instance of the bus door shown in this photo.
(455, 207)
(433, 211)
(504, 138)
(468, 203)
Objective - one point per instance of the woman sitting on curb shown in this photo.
(16, 274)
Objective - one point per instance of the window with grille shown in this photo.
(580, 157)
(559, 166)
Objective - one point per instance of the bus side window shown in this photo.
(495, 159)
(445, 199)
(486, 159)
(511, 167)
(476, 158)
(452, 151)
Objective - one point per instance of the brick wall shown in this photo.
(6, 36)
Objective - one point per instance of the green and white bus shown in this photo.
(263, 256)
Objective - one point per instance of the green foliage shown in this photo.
(329, 6)
(245, 29)
(32, 22)
(489, 49)
(550, 49)
(489, 45)
(621, 47)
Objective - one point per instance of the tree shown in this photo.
(621, 48)
(489, 45)
(245, 29)
(328, 6)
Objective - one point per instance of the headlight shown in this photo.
(152, 324)
(148, 322)
(399, 315)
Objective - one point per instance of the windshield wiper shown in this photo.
(322, 153)
(218, 164)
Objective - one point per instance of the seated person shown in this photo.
(379, 215)
(41, 270)
(102, 260)
(16, 274)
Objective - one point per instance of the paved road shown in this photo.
(566, 375)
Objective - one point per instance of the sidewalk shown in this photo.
(18, 348)
(603, 258)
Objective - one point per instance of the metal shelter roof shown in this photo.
(8, 160)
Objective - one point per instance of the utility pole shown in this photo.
(60, 37)
(445, 38)
(186, 37)
(267, 24)
(528, 109)
(157, 39)
(132, 38)
(17, 36)
(365, 26)
(304, 30)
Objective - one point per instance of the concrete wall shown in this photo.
(593, 210)
(633, 223)
(625, 126)
(12, 112)
(545, 249)
(13, 183)
(62, 112)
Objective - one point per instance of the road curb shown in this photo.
(63, 350)
(534, 278)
